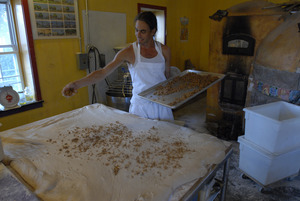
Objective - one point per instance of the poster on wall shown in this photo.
(52, 19)
(184, 31)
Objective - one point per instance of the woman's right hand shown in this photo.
(69, 90)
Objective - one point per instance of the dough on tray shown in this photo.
(99, 153)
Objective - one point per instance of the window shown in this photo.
(10, 69)
(17, 56)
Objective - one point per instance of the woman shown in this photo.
(148, 62)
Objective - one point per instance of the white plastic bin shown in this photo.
(265, 167)
(274, 126)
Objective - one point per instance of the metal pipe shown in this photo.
(87, 24)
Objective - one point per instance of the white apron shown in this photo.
(145, 73)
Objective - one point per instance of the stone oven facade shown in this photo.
(256, 44)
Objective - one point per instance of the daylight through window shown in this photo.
(10, 69)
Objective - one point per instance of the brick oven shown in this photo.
(237, 41)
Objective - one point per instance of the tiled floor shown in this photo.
(239, 188)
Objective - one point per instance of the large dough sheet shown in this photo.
(99, 153)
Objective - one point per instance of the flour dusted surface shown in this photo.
(98, 153)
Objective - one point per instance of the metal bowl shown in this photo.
(118, 99)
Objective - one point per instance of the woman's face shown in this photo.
(143, 33)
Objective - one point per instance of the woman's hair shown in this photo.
(147, 17)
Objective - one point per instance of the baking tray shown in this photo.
(169, 100)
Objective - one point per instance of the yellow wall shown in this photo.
(56, 59)
(197, 47)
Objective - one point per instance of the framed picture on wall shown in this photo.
(52, 19)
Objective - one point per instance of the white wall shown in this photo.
(104, 30)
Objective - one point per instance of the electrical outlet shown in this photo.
(82, 60)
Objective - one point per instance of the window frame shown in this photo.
(30, 43)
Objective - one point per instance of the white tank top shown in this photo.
(146, 72)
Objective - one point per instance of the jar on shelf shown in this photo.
(28, 94)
